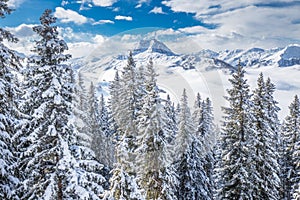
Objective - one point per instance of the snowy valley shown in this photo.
(206, 71)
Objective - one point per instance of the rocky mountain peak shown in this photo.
(152, 46)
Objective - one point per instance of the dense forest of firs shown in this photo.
(58, 141)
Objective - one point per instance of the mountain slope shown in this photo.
(206, 72)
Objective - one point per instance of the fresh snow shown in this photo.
(206, 72)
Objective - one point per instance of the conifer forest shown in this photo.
(59, 140)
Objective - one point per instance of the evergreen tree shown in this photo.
(203, 119)
(92, 174)
(155, 172)
(171, 119)
(128, 107)
(291, 136)
(193, 182)
(52, 169)
(113, 103)
(80, 101)
(266, 156)
(236, 166)
(102, 140)
(106, 127)
(275, 126)
(9, 62)
(296, 195)
(93, 123)
(123, 185)
(125, 91)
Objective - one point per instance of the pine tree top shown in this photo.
(4, 9)
(50, 47)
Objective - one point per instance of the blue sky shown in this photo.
(132, 14)
(186, 25)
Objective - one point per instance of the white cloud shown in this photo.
(130, 38)
(101, 3)
(26, 37)
(157, 10)
(104, 3)
(103, 21)
(208, 7)
(23, 30)
(144, 1)
(116, 9)
(79, 49)
(14, 3)
(67, 16)
(193, 29)
(141, 2)
(127, 18)
(63, 3)
(241, 24)
(98, 39)
(138, 6)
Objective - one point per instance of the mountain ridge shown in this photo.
(206, 71)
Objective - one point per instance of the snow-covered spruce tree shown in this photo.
(98, 129)
(265, 157)
(81, 116)
(9, 61)
(155, 172)
(108, 132)
(93, 175)
(171, 119)
(126, 117)
(205, 131)
(236, 166)
(193, 181)
(291, 136)
(296, 195)
(125, 104)
(52, 171)
(102, 140)
(275, 126)
(113, 105)
(123, 185)
(274, 123)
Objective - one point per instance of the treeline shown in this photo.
(58, 141)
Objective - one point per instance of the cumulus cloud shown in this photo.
(26, 37)
(208, 7)
(101, 3)
(104, 3)
(157, 10)
(14, 3)
(23, 30)
(120, 17)
(242, 24)
(103, 21)
(193, 29)
(67, 16)
(141, 2)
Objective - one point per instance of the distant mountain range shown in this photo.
(206, 71)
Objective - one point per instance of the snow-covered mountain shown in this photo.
(257, 57)
(152, 46)
(206, 71)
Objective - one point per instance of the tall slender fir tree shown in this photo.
(236, 166)
(267, 181)
(52, 169)
(9, 62)
(291, 136)
(155, 173)
(193, 181)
